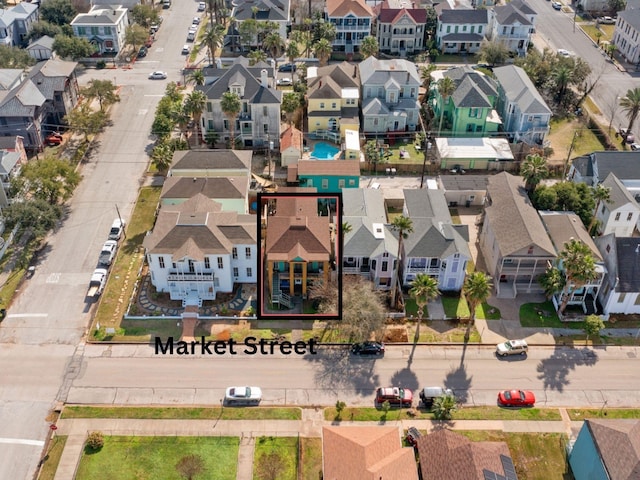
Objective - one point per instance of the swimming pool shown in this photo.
(324, 151)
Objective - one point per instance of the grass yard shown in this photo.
(123, 275)
(392, 155)
(411, 308)
(285, 447)
(155, 458)
(190, 413)
(578, 414)
(311, 458)
(144, 330)
(605, 30)
(561, 136)
(51, 460)
(456, 307)
(536, 456)
(541, 315)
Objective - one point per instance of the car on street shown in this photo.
(53, 139)
(243, 396)
(185, 50)
(142, 52)
(368, 349)
(196, 21)
(108, 252)
(556, 5)
(606, 20)
(158, 75)
(202, 6)
(396, 396)
(285, 82)
(148, 42)
(117, 227)
(512, 347)
(564, 53)
(516, 398)
(429, 394)
(635, 146)
(287, 67)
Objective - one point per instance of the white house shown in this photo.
(291, 146)
(620, 215)
(42, 48)
(512, 25)
(620, 292)
(16, 22)
(626, 36)
(276, 11)
(103, 26)
(461, 31)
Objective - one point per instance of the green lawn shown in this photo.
(561, 136)
(51, 460)
(311, 458)
(456, 307)
(392, 155)
(188, 413)
(155, 458)
(286, 447)
(582, 413)
(542, 315)
(371, 414)
(411, 308)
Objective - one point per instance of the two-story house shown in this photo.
(333, 94)
(57, 81)
(211, 163)
(196, 250)
(513, 240)
(525, 115)
(400, 30)
(276, 11)
(461, 31)
(326, 176)
(104, 27)
(621, 213)
(16, 22)
(12, 157)
(626, 36)
(620, 292)
(470, 111)
(258, 123)
(436, 247)
(370, 248)
(353, 20)
(512, 25)
(389, 96)
(230, 192)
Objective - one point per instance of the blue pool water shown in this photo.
(324, 151)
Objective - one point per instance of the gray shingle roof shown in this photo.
(8, 161)
(361, 241)
(211, 159)
(364, 202)
(378, 72)
(628, 264)
(632, 17)
(45, 41)
(618, 445)
(619, 194)
(523, 6)
(22, 100)
(51, 76)
(253, 90)
(468, 95)
(519, 88)
(101, 15)
(212, 187)
(461, 16)
(374, 106)
(272, 10)
(464, 182)
(563, 226)
(508, 15)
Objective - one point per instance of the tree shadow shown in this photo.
(458, 380)
(405, 378)
(554, 371)
(340, 370)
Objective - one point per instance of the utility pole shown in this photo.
(566, 164)
(121, 221)
(269, 154)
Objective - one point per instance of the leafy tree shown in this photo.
(444, 406)
(369, 47)
(616, 6)
(534, 169)
(102, 90)
(256, 56)
(291, 102)
(593, 324)
(565, 197)
(600, 194)
(173, 93)
(14, 57)
(231, 106)
(493, 52)
(248, 31)
(195, 104)
(35, 214)
(630, 104)
(404, 226)
(322, 50)
(41, 28)
(324, 30)
(74, 48)
(340, 406)
(425, 76)
(446, 87)
(162, 126)
(190, 466)
(213, 39)
(477, 288)
(57, 12)
(196, 77)
(144, 15)
(95, 440)
(135, 35)
(372, 154)
(162, 155)
(84, 120)
(211, 138)
(50, 179)
(611, 49)
(578, 266)
(423, 289)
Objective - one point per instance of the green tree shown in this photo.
(85, 121)
(533, 170)
(274, 44)
(213, 39)
(292, 52)
(579, 268)
(57, 12)
(616, 6)
(190, 466)
(552, 281)
(369, 46)
(611, 49)
(196, 77)
(593, 324)
(135, 35)
(231, 106)
(34, 214)
(493, 52)
(630, 104)
(41, 28)
(291, 102)
(322, 49)
(476, 289)
(95, 440)
(248, 31)
(102, 90)
(162, 126)
(195, 104)
(144, 15)
(423, 289)
(446, 87)
(444, 406)
(404, 227)
(256, 56)
(14, 57)
(601, 194)
(565, 197)
(425, 76)
(74, 48)
(50, 179)
(372, 154)
(324, 31)
(161, 156)
(561, 77)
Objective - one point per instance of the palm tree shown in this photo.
(404, 226)
(346, 228)
(446, 87)
(533, 169)
(322, 50)
(423, 289)
(579, 269)
(161, 156)
(195, 104)
(292, 53)
(213, 39)
(552, 281)
(444, 406)
(290, 103)
(256, 56)
(630, 103)
(600, 194)
(425, 76)
(231, 106)
(196, 77)
(274, 44)
(561, 76)
(476, 289)
(369, 47)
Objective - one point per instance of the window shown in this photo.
(385, 265)
(207, 263)
(247, 253)
(209, 107)
(82, 31)
(341, 183)
(220, 262)
(504, 30)
(325, 183)
(375, 121)
(621, 297)
(209, 124)
(265, 128)
(107, 30)
(629, 216)
(617, 216)
(608, 248)
(235, 271)
(321, 104)
(333, 104)
(95, 31)
(265, 111)
(249, 272)
(237, 91)
(530, 251)
(385, 255)
(192, 267)
(234, 253)
(352, 182)
(161, 261)
(479, 30)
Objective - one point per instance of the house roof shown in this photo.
(508, 15)
(463, 16)
(519, 88)
(332, 80)
(374, 106)
(341, 8)
(211, 160)
(296, 231)
(9, 77)
(254, 92)
(619, 195)
(469, 95)
(449, 455)
(267, 10)
(393, 15)
(45, 41)
(8, 161)
(51, 76)
(366, 453)
(631, 16)
(565, 226)
(291, 138)
(463, 37)
(464, 182)
(600, 164)
(484, 83)
(22, 100)
(368, 238)
(467, 148)
(378, 72)
(628, 264)
(213, 73)
(101, 15)
(513, 219)
(211, 187)
(24, 9)
(618, 444)
(329, 167)
(523, 6)
(364, 202)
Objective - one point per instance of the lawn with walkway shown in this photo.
(284, 448)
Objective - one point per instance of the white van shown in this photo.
(117, 227)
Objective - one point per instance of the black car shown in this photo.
(287, 67)
(142, 52)
(368, 348)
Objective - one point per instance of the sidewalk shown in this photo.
(310, 426)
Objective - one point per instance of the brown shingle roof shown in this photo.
(340, 8)
(392, 15)
(563, 226)
(366, 453)
(618, 442)
(292, 173)
(329, 167)
(211, 187)
(211, 159)
(291, 137)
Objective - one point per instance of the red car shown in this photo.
(516, 398)
(397, 397)
(53, 139)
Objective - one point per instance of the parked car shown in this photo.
(457, 169)
(191, 35)
(243, 396)
(196, 21)
(287, 67)
(117, 227)
(284, 82)
(556, 5)
(564, 53)
(148, 42)
(606, 20)
(368, 348)
(158, 75)
(512, 347)
(516, 398)
(108, 252)
(202, 6)
(429, 394)
(186, 49)
(142, 52)
(627, 135)
(396, 396)
(154, 28)
(635, 146)
(53, 139)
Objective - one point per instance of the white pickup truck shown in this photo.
(97, 283)
(108, 252)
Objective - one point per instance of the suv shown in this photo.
(512, 347)
(287, 67)
(368, 348)
(117, 227)
(429, 394)
(396, 396)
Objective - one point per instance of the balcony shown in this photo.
(190, 277)
(363, 270)
(246, 131)
(425, 270)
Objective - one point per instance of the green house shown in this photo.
(327, 176)
(470, 111)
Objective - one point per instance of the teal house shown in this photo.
(470, 111)
(326, 176)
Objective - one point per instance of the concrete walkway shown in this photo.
(310, 426)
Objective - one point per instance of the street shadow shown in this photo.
(554, 371)
(458, 380)
(341, 370)
(405, 378)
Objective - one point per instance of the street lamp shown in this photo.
(426, 156)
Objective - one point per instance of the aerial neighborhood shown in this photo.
(411, 228)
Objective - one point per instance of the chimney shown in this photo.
(264, 78)
(320, 84)
(355, 71)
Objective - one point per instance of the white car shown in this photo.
(512, 347)
(185, 50)
(196, 21)
(243, 396)
(285, 82)
(158, 75)
(108, 252)
(202, 6)
(565, 53)
(556, 5)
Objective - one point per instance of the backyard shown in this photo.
(562, 135)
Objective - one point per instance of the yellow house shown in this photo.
(333, 97)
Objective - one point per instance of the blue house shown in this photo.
(326, 176)
(606, 450)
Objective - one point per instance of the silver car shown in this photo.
(512, 347)
(243, 396)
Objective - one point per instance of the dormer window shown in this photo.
(237, 91)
